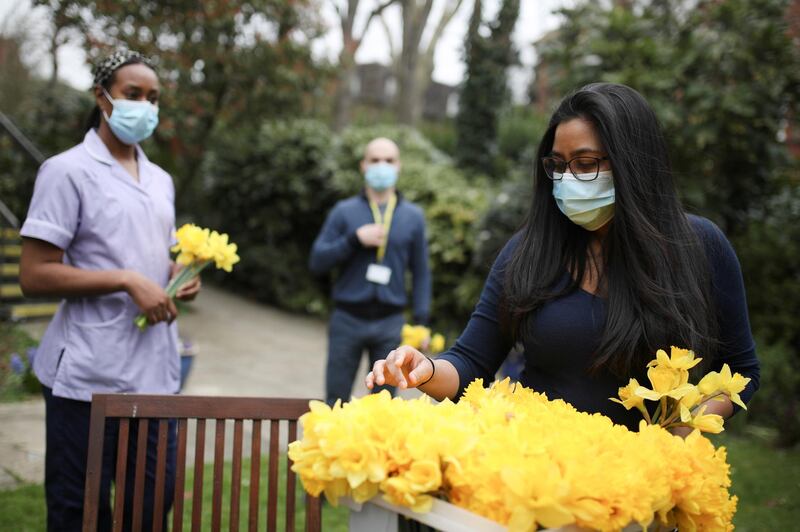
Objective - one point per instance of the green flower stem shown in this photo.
(184, 276)
(646, 414)
(656, 414)
(671, 419)
(141, 322)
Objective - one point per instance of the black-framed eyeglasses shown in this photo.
(583, 168)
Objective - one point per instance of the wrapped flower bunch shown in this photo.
(197, 248)
(417, 335)
(511, 455)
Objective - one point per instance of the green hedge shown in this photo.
(271, 192)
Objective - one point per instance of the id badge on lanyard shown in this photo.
(377, 272)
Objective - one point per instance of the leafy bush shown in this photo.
(271, 193)
(504, 217)
(52, 118)
(777, 402)
(519, 131)
(442, 134)
(769, 251)
(17, 174)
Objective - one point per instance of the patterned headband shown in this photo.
(103, 70)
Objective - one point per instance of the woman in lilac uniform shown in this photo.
(98, 234)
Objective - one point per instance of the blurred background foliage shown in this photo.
(723, 77)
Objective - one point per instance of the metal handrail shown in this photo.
(8, 216)
(30, 149)
(20, 138)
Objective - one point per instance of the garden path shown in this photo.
(243, 348)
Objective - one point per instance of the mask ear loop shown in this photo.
(110, 100)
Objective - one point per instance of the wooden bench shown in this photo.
(144, 409)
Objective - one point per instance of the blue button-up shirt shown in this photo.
(406, 250)
(87, 204)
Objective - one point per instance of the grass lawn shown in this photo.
(767, 482)
(23, 509)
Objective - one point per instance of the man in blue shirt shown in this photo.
(372, 239)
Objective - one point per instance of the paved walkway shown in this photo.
(244, 349)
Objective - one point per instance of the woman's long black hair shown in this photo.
(655, 270)
(93, 121)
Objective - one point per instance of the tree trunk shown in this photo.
(415, 15)
(407, 87)
(343, 99)
(54, 57)
(425, 65)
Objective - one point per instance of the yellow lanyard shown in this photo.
(385, 220)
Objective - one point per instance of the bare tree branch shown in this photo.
(447, 16)
(377, 12)
(393, 53)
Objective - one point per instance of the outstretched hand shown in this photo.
(405, 367)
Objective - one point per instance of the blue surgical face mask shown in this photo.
(131, 121)
(380, 176)
(589, 204)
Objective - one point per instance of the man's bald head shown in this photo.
(380, 150)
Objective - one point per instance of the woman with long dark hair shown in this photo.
(98, 234)
(607, 269)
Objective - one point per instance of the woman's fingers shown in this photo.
(400, 368)
(190, 289)
(171, 310)
(394, 364)
(163, 311)
(377, 374)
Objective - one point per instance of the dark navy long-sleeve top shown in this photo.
(567, 331)
(407, 250)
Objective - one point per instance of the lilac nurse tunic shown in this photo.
(87, 204)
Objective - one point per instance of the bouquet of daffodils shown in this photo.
(677, 398)
(513, 456)
(197, 248)
(417, 335)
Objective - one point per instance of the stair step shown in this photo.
(21, 311)
(11, 250)
(8, 233)
(9, 269)
(10, 290)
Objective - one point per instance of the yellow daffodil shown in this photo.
(689, 401)
(629, 399)
(723, 382)
(712, 423)
(666, 382)
(196, 248)
(223, 253)
(511, 455)
(437, 343)
(680, 359)
(417, 335)
(414, 335)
